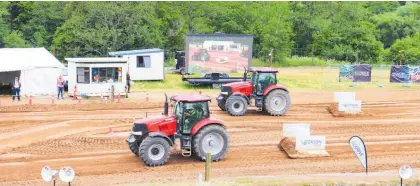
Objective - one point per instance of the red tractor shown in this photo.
(190, 122)
(268, 96)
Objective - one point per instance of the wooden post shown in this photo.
(112, 94)
(208, 167)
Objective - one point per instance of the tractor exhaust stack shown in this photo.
(166, 106)
(245, 73)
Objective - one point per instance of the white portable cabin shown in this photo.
(36, 68)
(147, 64)
(95, 76)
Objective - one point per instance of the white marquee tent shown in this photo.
(36, 68)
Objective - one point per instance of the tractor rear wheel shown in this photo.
(277, 102)
(212, 139)
(236, 105)
(154, 151)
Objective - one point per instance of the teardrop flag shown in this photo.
(359, 149)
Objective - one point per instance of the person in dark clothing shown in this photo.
(128, 82)
(16, 88)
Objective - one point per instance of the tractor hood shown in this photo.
(238, 84)
(153, 120)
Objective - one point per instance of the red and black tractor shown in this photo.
(190, 122)
(268, 96)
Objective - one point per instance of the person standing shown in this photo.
(128, 82)
(60, 86)
(16, 89)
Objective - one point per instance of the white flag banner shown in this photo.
(359, 149)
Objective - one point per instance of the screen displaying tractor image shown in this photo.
(221, 53)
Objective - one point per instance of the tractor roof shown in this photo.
(190, 98)
(263, 69)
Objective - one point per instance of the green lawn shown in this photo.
(298, 74)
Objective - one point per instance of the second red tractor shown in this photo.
(268, 96)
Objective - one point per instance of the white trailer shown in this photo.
(96, 76)
(147, 64)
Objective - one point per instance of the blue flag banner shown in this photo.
(362, 73)
(346, 72)
(399, 74)
(414, 74)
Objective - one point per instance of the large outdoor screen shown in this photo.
(218, 53)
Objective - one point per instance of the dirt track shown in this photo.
(30, 140)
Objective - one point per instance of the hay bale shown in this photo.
(289, 146)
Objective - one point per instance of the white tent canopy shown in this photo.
(38, 68)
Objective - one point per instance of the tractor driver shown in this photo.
(195, 114)
(264, 83)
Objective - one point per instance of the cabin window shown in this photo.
(143, 62)
(83, 74)
(107, 75)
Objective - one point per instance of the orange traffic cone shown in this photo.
(52, 99)
(147, 97)
(119, 98)
(74, 92)
(102, 98)
(30, 99)
(110, 129)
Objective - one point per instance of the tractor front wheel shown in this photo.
(277, 102)
(211, 139)
(222, 105)
(236, 105)
(133, 144)
(154, 151)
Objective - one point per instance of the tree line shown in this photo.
(369, 32)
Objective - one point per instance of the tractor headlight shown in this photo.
(131, 139)
(224, 93)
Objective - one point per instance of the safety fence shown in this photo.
(356, 73)
(363, 73)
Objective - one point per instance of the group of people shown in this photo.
(16, 86)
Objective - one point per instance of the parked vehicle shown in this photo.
(214, 79)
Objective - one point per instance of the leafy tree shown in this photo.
(4, 23)
(15, 40)
(37, 21)
(96, 28)
(406, 50)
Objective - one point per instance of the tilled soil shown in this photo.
(79, 138)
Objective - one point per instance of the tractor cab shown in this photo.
(188, 111)
(190, 122)
(262, 78)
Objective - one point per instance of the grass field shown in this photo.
(312, 78)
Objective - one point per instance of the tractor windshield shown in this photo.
(262, 80)
(193, 113)
(178, 111)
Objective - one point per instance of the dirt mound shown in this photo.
(333, 109)
(289, 146)
(79, 107)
